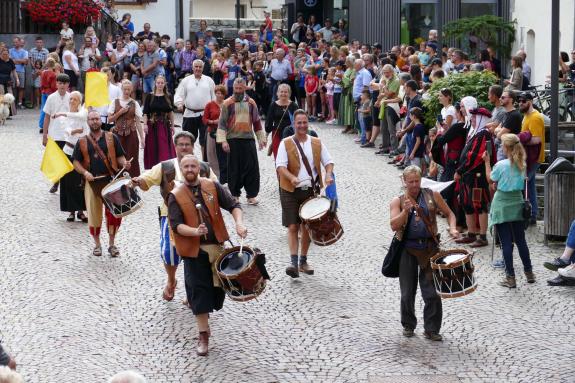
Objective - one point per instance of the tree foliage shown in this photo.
(492, 30)
(475, 84)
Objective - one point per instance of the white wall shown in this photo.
(537, 18)
(225, 9)
(160, 15)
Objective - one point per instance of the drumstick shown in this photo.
(241, 246)
(199, 208)
(123, 168)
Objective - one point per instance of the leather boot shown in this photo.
(202, 349)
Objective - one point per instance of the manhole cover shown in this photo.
(415, 379)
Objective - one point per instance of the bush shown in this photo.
(475, 84)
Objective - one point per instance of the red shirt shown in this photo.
(211, 112)
(311, 84)
(48, 82)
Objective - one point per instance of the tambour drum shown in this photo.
(453, 273)
(240, 274)
(323, 226)
(121, 198)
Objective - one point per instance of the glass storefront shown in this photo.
(473, 8)
(418, 17)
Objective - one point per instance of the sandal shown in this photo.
(97, 252)
(253, 202)
(113, 251)
(71, 217)
(169, 292)
(82, 217)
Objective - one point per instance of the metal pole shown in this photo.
(238, 14)
(554, 136)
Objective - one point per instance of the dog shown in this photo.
(5, 101)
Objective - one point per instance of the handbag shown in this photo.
(270, 148)
(527, 208)
(390, 266)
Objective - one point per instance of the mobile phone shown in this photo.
(440, 118)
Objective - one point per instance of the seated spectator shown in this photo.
(568, 255)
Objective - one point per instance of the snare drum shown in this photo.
(453, 273)
(323, 226)
(240, 274)
(121, 198)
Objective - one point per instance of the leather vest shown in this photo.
(126, 123)
(189, 246)
(294, 161)
(111, 151)
(432, 208)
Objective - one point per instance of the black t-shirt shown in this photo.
(6, 68)
(513, 121)
(97, 166)
(419, 131)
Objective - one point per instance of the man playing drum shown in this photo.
(198, 234)
(98, 157)
(299, 176)
(416, 212)
(167, 175)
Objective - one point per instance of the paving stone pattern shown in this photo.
(70, 317)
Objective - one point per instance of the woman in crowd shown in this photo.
(346, 111)
(126, 22)
(7, 73)
(71, 67)
(211, 118)
(515, 82)
(126, 113)
(159, 125)
(71, 189)
(47, 86)
(280, 114)
(507, 206)
(448, 115)
(135, 69)
(120, 57)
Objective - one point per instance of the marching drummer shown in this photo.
(199, 231)
(98, 157)
(300, 179)
(414, 214)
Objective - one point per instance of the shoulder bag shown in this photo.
(390, 266)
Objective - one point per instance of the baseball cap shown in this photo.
(525, 96)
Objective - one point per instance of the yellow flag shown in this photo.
(55, 163)
(97, 89)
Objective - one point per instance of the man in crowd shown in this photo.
(297, 185)
(239, 121)
(20, 57)
(210, 36)
(146, 34)
(87, 54)
(150, 67)
(38, 53)
(199, 237)
(362, 80)
(327, 30)
(99, 157)
(279, 70)
(193, 93)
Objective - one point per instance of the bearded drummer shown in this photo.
(98, 157)
(416, 212)
(167, 175)
(298, 177)
(198, 235)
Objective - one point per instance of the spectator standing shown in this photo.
(150, 67)
(515, 82)
(298, 29)
(89, 52)
(146, 34)
(511, 122)
(327, 30)
(47, 87)
(19, 56)
(136, 70)
(313, 24)
(201, 33)
(346, 106)
(66, 33)
(279, 70)
(126, 22)
(70, 63)
(38, 53)
(187, 58)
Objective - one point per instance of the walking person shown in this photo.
(211, 118)
(506, 211)
(280, 116)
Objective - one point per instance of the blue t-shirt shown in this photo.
(419, 131)
(508, 178)
(19, 54)
(233, 73)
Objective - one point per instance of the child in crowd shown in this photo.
(91, 34)
(300, 83)
(365, 121)
(233, 71)
(417, 138)
(337, 88)
(311, 87)
(329, 85)
(37, 77)
(66, 33)
(432, 166)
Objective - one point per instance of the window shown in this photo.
(418, 17)
(472, 8)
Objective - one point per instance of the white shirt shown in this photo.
(194, 94)
(57, 104)
(114, 92)
(123, 103)
(85, 64)
(303, 176)
(74, 58)
(67, 33)
(74, 121)
(449, 111)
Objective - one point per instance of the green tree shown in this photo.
(475, 84)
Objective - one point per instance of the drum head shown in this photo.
(314, 208)
(452, 258)
(234, 262)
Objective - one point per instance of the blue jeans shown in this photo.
(42, 114)
(149, 83)
(362, 128)
(571, 239)
(532, 190)
(510, 233)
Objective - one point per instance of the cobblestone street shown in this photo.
(67, 316)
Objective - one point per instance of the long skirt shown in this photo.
(131, 145)
(72, 192)
(346, 110)
(159, 144)
(211, 154)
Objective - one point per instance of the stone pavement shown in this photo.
(70, 317)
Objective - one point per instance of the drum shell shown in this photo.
(325, 229)
(455, 279)
(249, 282)
(122, 201)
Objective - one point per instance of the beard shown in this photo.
(239, 96)
(190, 177)
(95, 128)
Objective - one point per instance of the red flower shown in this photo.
(76, 12)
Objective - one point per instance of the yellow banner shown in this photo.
(97, 89)
(55, 163)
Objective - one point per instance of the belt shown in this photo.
(195, 110)
(70, 145)
(421, 241)
(304, 188)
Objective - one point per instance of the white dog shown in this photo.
(5, 101)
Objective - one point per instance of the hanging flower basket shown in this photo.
(75, 12)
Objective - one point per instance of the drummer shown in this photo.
(98, 164)
(419, 246)
(198, 236)
(297, 185)
(167, 175)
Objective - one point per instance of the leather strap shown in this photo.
(306, 164)
(100, 152)
(425, 219)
